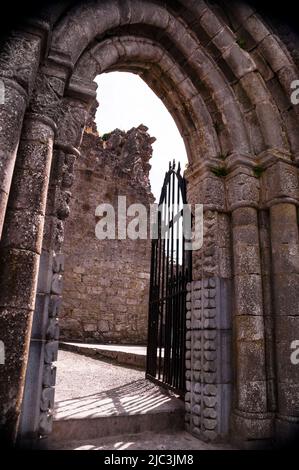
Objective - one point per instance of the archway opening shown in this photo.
(104, 316)
(126, 100)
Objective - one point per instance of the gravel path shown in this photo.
(92, 388)
(79, 376)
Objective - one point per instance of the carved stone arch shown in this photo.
(169, 82)
(163, 25)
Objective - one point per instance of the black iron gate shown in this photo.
(170, 272)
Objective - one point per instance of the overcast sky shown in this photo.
(125, 102)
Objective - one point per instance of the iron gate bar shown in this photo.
(170, 272)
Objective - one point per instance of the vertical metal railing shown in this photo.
(170, 272)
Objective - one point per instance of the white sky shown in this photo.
(125, 102)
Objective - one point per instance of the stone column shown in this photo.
(19, 60)
(38, 401)
(22, 240)
(208, 339)
(281, 194)
(251, 420)
(11, 120)
(20, 253)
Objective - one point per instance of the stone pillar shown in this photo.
(20, 253)
(265, 246)
(19, 60)
(11, 120)
(251, 420)
(281, 195)
(208, 338)
(38, 401)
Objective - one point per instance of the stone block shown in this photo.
(57, 284)
(285, 258)
(18, 277)
(45, 274)
(249, 328)
(252, 397)
(239, 60)
(40, 318)
(248, 295)
(256, 28)
(249, 354)
(286, 294)
(288, 393)
(51, 352)
(273, 53)
(246, 258)
(29, 191)
(245, 216)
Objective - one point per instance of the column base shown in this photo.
(252, 430)
(286, 431)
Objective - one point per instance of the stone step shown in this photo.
(96, 399)
(134, 356)
(107, 426)
(169, 440)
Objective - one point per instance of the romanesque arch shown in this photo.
(225, 74)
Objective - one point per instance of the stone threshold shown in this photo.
(134, 356)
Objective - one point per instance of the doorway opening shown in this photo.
(104, 316)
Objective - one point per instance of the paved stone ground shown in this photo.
(79, 376)
(145, 441)
(91, 388)
(88, 387)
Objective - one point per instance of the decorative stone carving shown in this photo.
(208, 363)
(51, 347)
(46, 99)
(209, 191)
(58, 203)
(280, 180)
(63, 209)
(59, 235)
(19, 58)
(242, 191)
(72, 120)
(206, 260)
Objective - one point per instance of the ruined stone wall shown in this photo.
(106, 282)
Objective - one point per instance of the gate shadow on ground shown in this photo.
(138, 397)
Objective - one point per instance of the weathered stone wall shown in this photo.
(106, 282)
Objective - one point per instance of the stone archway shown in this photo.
(225, 75)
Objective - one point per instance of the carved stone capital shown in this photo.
(279, 183)
(71, 122)
(243, 190)
(206, 188)
(46, 98)
(19, 59)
